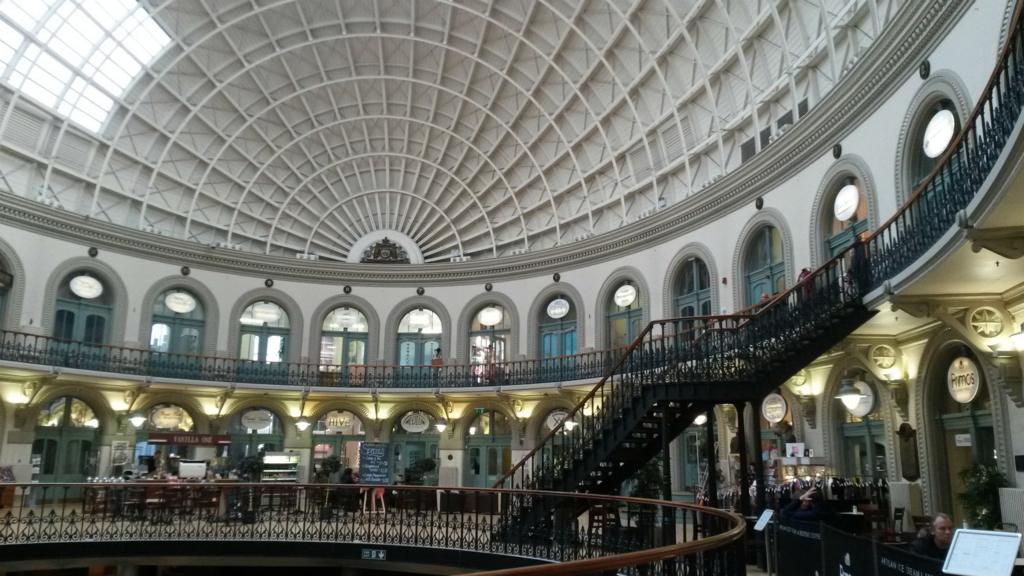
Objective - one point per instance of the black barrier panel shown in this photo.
(894, 561)
(799, 546)
(847, 555)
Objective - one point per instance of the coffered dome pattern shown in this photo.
(477, 129)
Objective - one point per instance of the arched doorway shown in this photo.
(264, 333)
(414, 449)
(254, 430)
(557, 337)
(65, 447)
(343, 339)
(84, 309)
(418, 340)
(693, 289)
(489, 333)
(337, 435)
(625, 315)
(488, 443)
(156, 452)
(858, 409)
(764, 265)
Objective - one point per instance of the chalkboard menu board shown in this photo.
(373, 463)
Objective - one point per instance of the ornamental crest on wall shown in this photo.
(384, 252)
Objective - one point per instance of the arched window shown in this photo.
(858, 406)
(488, 448)
(84, 309)
(155, 445)
(336, 439)
(937, 127)
(625, 315)
(557, 325)
(343, 337)
(65, 443)
(414, 455)
(264, 333)
(693, 289)
(6, 284)
(178, 323)
(419, 335)
(489, 332)
(849, 215)
(253, 430)
(764, 264)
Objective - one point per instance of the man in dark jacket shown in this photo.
(935, 543)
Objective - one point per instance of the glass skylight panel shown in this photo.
(82, 54)
(10, 40)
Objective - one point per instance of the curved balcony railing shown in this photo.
(586, 534)
(47, 351)
(756, 348)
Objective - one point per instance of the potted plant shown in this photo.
(250, 469)
(980, 497)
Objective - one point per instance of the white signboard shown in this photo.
(555, 418)
(963, 440)
(415, 422)
(260, 420)
(981, 553)
(558, 308)
(963, 380)
(774, 408)
(847, 202)
(625, 295)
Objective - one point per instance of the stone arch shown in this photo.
(534, 425)
(468, 415)
(281, 299)
(474, 306)
(930, 449)
(11, 317)
(91, 396)
(668, 292)
(940, 85)
(273, 404)
(538, 304)
(390, 333)
(189, 403)
(833, 441)
(400, 409)
(211, 310)
(363, 305)
(111, 280)
(764, 217)
(821, 212)
(370, 426)
(611, 283)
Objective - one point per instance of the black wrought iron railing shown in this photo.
(595, 534)
(48, 351)
(737, 357)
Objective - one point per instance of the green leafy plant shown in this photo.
(414, 474)
(250, 468)
(980, 497)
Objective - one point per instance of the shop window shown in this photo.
(764, 265)
(488, 449)
(337, 436)
(414, 449)
(65, 447)
(264, 332)
(84, 309)
(253, 431)
(419, 338)
(693, 289)
(178, 323)
(862, 424)
(625, 315)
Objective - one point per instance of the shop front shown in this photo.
(488, 449)
(65, 448)
(414, 456)
(253, 431)
(337, 436)
(163, 440)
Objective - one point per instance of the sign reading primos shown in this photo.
(774, 408)
(963, 380)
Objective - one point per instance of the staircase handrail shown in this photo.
(862, 278)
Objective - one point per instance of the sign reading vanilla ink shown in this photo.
(963, 380)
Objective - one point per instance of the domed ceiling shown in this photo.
(464, 129)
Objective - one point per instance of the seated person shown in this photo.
(935, 543)
(810, 507)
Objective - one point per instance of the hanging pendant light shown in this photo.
(849, 394)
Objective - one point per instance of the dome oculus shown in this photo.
(85, 286)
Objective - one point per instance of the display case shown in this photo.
(802, 468)
(280, 467)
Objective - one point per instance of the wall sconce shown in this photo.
(137, 420)
(849, 394)
(700, 420)
(441, 426)
(302, 424)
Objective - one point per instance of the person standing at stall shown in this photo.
(935, 544)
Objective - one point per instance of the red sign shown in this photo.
(188, 439)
